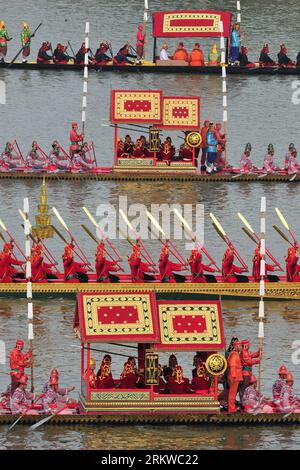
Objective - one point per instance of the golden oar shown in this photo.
(285, 224)
(192, 235)
(227, 240)
(256, 236)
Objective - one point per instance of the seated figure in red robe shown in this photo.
(292, 266)
(201, 383)
(166, 267)
(7, 272)
(256, 267)
(198, 268)
(177, 383)
(73, 271)
(105, 379)
(104, 267)
(129, 378)
(138, 268)
(138, 149)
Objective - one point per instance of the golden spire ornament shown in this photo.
(43, 228)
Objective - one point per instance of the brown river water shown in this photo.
(40, 105)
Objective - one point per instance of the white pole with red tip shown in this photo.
(85, 75)
(261, 311)
(224, 86)
(27, 231)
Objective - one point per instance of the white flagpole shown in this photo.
(85, 75)
(146, 10)
(261, 313)
(238, 10)
(224, 87)
(27, 230)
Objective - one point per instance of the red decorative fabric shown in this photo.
(120, 315)
(191, 23)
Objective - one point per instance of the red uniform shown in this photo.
(39, 269)
(177, 384)
(18, 362)
(248, 360)
(197, 267)
(75, 138)
(204, 131)
(103, 266)
(228, 268)
(292, 268)
(72, 269)
(105, 379)
(234, 377)
(137, 266)
(166, 267)
(256, 265)
(7, 262)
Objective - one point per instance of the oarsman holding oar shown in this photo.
(4, 38)
(21, 398)
(26, 41)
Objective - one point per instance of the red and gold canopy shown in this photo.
(190, 325)
(136, 106)
(113, 316)
(136, 317)
(181, 112)
(191, 23)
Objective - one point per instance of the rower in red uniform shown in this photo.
(235, 375)
(292, 266)
(230, 272)
(18, 362)
(198, 268)
(204, 131)
(60, 56)
(289, 402)
(283, 59)
(264, 59)
(166, 268)
(121, 58)
(268, 267)
(177, 383)
(40, 271)
(7, 272)
(129, 378)
(79, 57)
(11, 158)
(101, 58)
(75, 138)
(90, 375)
(73, 271)
(279, 383)
(248, 360)
(139, 269)
(43, 56)
(104, 267)
(201, 383)
(253, 402)
(36, 159)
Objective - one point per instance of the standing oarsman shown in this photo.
(279, 383)
(75, 138)
(235, 375)
(18, 362)
(4, 38)
(140, 42)
(248, 360)
(26, 40)
(104, 267)
(204, 131)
